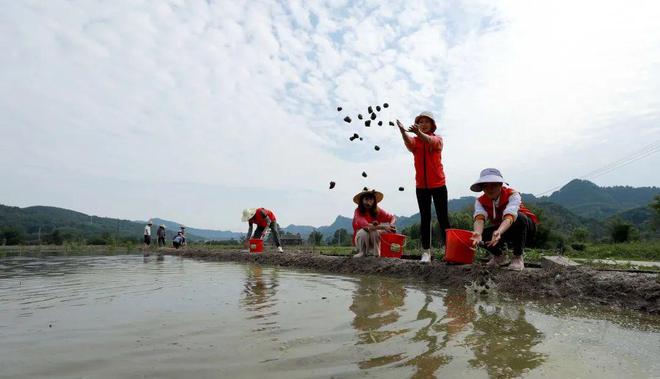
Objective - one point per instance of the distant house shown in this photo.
(287, 239)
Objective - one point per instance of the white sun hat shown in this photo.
(428, 115)
(248, 213)
(487, 175)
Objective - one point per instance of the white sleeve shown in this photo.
(513, 206)
(479, 210)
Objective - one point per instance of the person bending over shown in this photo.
(263, 218)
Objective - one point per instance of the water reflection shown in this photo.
(502, 341)
(435, 337)
(375, 305)
(259, 296)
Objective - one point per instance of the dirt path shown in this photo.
(638, 291)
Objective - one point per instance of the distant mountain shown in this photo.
(339, 223)
(303, 230)
(559, 219)
(40, 220)
(206, 234)
(586, 199)
(39, 223)
(578, 203)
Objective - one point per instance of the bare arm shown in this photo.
(497, 235)
(478, 230)
(406, 138)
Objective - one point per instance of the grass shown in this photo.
(638, 250)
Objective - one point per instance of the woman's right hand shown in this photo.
(402, 128)
(476, 238)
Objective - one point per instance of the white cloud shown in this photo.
(224, 105)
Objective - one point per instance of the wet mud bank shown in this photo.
(637, 291)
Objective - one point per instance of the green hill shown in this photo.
(56, 225)
(586, 199)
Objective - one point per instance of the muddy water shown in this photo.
(110, 317)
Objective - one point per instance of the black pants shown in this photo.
(439, 197)
(161, 241)
(274, 228)
(520, 233)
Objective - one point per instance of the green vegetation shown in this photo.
(636, 250)
(315, 238)
(582, 220)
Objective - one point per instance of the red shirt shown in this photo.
(429, 172)
(259, 218)
(361, 220)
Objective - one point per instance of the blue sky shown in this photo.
(194, 110)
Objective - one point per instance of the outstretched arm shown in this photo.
(406, 138)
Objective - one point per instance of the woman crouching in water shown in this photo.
(369, 222)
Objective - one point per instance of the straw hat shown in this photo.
(149, 222)
(248, 213)
(429, 115)
(487, 175)
(379, 196)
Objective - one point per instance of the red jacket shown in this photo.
(361, 220)
(259, 218)
(496, 218)
(429, 172)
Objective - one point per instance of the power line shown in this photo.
(628, 159)
(643, 151)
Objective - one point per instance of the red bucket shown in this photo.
(391, 245)
(459, 247)
(256, 246)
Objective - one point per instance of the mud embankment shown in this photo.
(638, 291)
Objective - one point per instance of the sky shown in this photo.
(193, 110)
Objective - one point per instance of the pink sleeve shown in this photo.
(359, 221)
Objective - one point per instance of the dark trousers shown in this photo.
(161, 241)
(520, 233)
(274, 228)
(439, 197)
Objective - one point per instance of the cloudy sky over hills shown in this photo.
(194, 110)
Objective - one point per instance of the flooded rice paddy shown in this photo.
(125, 316)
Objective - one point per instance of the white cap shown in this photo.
(248, 213)
(487, 175)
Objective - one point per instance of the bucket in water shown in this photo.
(391, 245)
(256, 246)
(459, 247)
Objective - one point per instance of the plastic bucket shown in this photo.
(391, 245)
(256, 246)
(459, 247)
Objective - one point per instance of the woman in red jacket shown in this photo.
(264, 218)
(369, 221)
(429, 176)
(511, 221)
